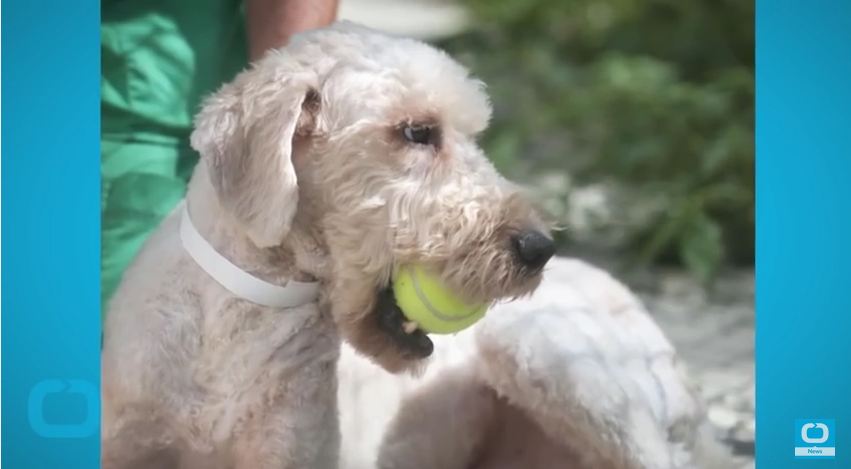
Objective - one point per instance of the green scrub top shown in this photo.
(159, 58)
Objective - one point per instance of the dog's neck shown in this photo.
(300, 256)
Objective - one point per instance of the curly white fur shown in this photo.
(577, 377)
(304, 175)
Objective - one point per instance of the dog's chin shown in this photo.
(518, 291)
(520, 283)
(531, 279)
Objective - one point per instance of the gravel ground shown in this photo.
(714, 334)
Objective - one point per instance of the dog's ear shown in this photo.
(245, 133)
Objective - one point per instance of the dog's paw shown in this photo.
(413, 344)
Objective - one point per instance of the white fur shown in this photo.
(578, 376)
(304, 175)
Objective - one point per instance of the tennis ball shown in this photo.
(423, 298)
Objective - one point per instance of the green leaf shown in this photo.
(701, 247)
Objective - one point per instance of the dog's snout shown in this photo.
(533, 248)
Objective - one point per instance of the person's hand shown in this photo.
(270, 23)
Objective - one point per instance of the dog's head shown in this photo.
(372, 141)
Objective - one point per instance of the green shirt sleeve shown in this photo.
(159, 59)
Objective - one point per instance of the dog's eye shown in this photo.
(420, 134)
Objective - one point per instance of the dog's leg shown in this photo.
(281, 441)
(444, 425)
(297, 425)
(137, 442)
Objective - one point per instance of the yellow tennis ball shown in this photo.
(423, 298)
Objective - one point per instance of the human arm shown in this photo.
(270, 23)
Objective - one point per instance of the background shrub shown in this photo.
(631, 119)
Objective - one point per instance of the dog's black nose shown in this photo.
(534, 248)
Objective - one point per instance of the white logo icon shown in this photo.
(805, 430)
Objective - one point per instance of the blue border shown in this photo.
(803, 144)
(50, 200)
(51, 247)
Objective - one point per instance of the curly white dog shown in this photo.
(325, 166)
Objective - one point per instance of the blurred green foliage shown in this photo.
(650, 100)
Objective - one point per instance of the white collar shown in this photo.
(238, 281)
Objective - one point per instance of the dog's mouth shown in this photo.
(412, 341)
